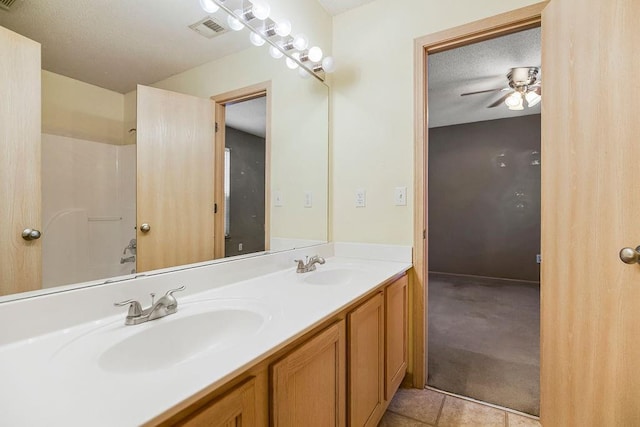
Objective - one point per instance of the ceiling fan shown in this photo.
(523, 86)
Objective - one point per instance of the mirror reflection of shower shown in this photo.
(88, 209)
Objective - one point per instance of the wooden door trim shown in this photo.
(221, 100)
(495, 26)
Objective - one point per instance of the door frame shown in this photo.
(221, 100)
(495, 26)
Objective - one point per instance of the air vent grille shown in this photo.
(208, 27)
(6, 4)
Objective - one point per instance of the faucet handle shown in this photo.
(135, 309)
(170, 293)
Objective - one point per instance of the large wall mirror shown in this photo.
(135, 176)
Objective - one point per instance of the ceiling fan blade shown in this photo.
(499, 101)
(482, 91)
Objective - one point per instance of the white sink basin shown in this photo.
(176, 340)
(199, 328)
(334, 276)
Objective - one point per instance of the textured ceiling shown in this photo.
(248, 116)
(478, 67)
(117, 44)
(336, 7)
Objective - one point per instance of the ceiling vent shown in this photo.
(208, 27)
(6, 4)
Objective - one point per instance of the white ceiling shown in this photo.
(117, 44)
(478, 67)
(336, 7)
(248, 116)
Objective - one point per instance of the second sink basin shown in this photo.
(334, 276)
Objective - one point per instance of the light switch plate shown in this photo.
(308, 199)
(361, 198)
(278, 199)
(400, 196)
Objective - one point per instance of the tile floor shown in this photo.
(419, 408)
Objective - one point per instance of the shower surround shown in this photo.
(88, 209)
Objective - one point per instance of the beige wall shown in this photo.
(372, 108)
(80, 110)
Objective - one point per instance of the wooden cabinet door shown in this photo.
(234, 409)
(308, 385)
(20, 134)
(366, 363)
(175, 179)
(590, 337)
(396, 322)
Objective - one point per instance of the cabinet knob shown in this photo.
(145, 228)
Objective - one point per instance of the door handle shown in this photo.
(31, 234)
(145, 228)
(630, 255)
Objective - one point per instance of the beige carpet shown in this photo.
(484, 340)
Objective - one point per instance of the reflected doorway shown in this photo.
(242, 171)
(244, 183)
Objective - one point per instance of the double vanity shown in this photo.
(252, 342)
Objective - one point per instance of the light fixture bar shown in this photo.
(275, 45)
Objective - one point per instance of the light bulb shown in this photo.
(514, 101)
(300, 42)
(315, 54)
(283, 28)
(255, 39)
(329, 64)
(260, 9)
(291, 63)
(275, 53)
(234, 23)
(302, 72)
(209, 6)
(532, 98)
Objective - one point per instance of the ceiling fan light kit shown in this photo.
(523, 86)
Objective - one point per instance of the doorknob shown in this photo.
(31, 234)
(630, 255)
(145, 228)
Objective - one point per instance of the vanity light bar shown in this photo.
(255, 18)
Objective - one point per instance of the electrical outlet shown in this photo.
(539, 258)
(361, 198)
(308, 199)
(400, 196)
(239, 246)
(278, 199)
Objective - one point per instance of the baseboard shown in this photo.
(501, 279)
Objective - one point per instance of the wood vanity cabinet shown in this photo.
(377, 352)
(308, 384)
(235, 408)
(305, 382)
(366, 362)
(396, 304)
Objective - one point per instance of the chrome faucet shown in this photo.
(165, 306)
(309, 265)
(131, 258)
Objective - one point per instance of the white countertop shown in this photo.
(55, 378)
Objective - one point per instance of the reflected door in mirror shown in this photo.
(175, 179)
(20, 258)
